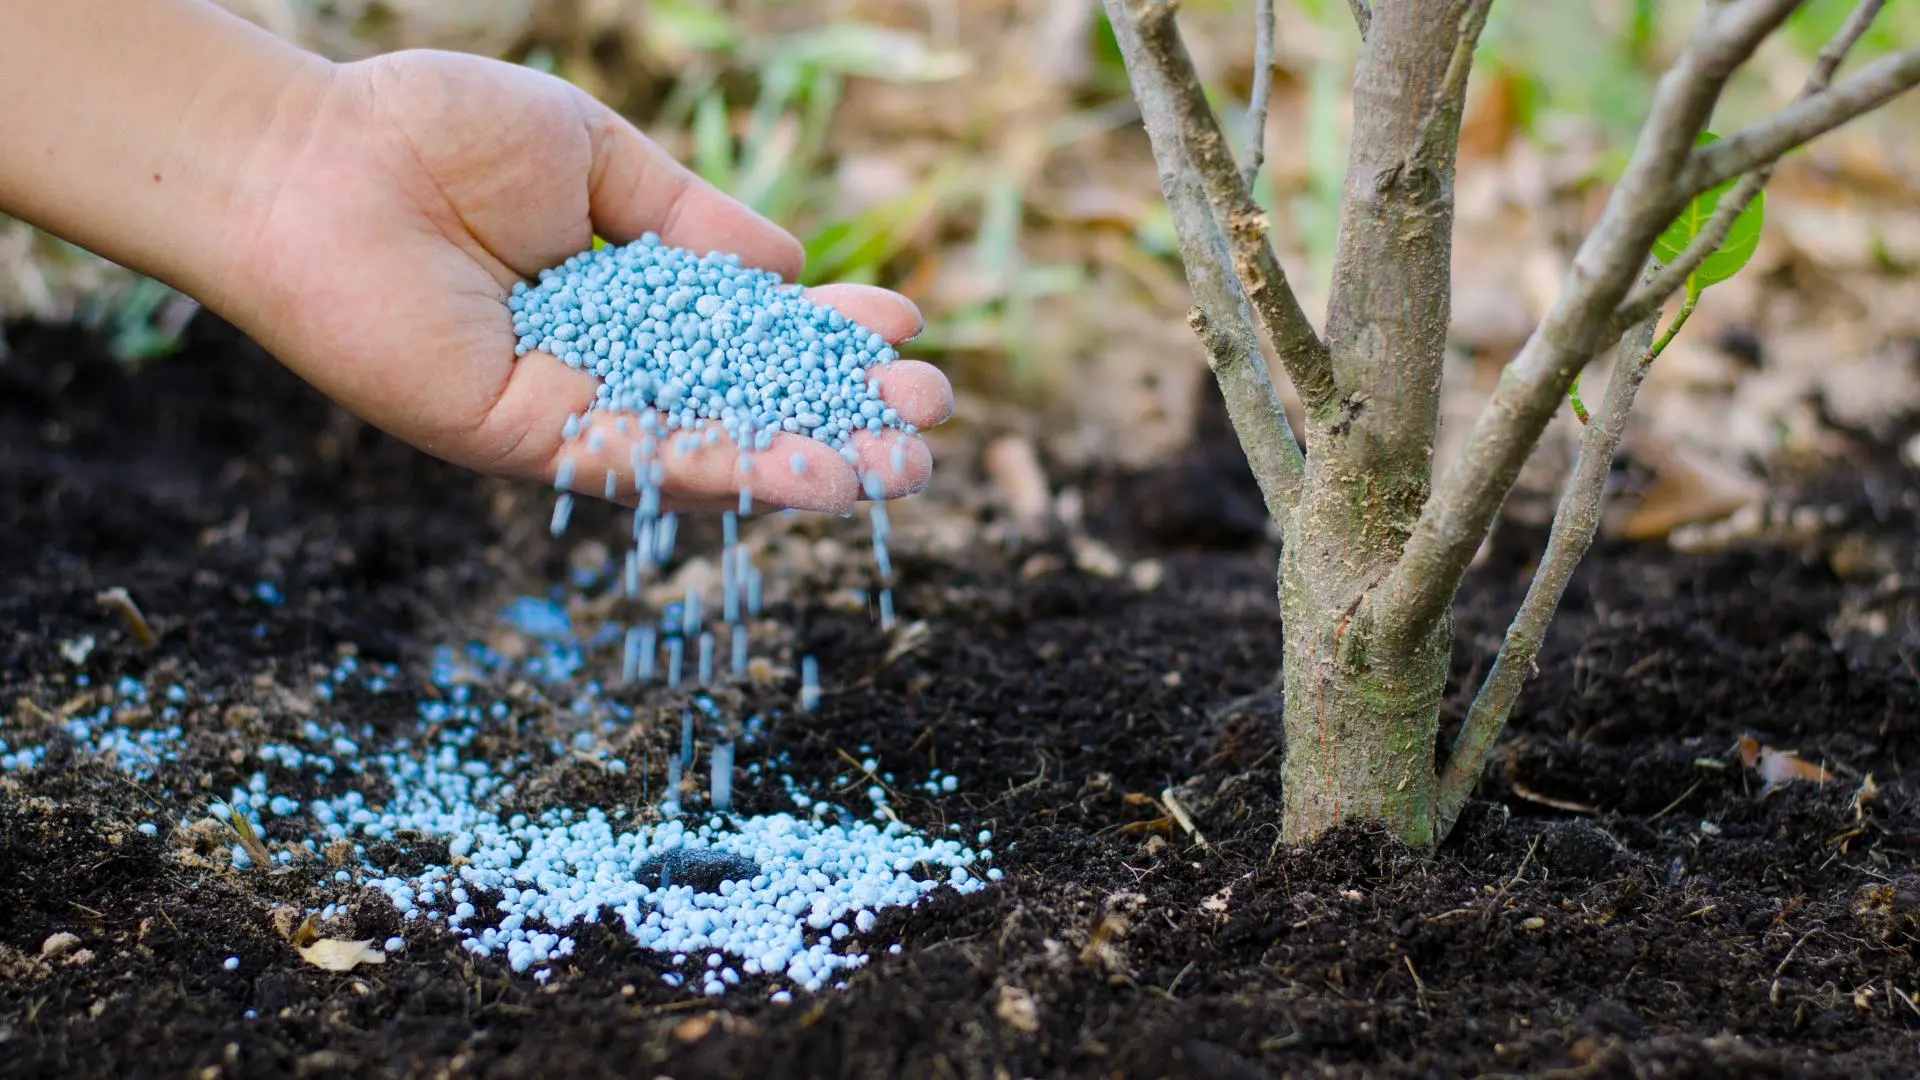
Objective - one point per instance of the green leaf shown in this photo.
(1733, 254)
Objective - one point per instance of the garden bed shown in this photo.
(1628, 902)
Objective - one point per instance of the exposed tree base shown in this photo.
(1360, 722)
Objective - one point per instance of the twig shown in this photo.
(1461, 510)
(1262, 92)
(1177, 977)
(1182, 819)
(1567, 805)
(1648, 298)
(1773, 992)
(1669, 808)
(1493, 905)
(1453, 86)
(118, 600)
(1574, 524)
(1222, 318)
(1151, 40)
(1419, 987)
(1806, 119)
(1362, 16)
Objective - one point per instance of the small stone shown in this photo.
(701, 869)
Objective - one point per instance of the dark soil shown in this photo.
(1627, 901)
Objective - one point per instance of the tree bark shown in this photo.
(1360, 723)
(1222, 316)
(1361, 715)
(1374, 554)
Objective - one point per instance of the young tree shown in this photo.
(1374, 549)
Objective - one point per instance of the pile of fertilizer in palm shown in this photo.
(704, 340)
(694, 348)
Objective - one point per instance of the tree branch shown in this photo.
(1362, 16)
(1222, 317)
(1770, 139)
(1391, 300)
(1151, 40)
(1578, 516)
(1262, 92)
(1453, 89)
(1456, 518)
(1574, 525)
(1223, 321)
(1652, 294)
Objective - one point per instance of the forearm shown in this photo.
(145, 130)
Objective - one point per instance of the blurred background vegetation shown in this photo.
(984, 157)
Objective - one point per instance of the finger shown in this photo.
(918, 391)
(698, 470)
(636, 187)
(887, 313)
(893, 464)
(803, 474)
(521, 434)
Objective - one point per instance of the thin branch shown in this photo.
(1804, 120)
(1453, 89)
(1835, 52)
(1222, 317)
(1223, 322)
(1262, 92)
(1574, 525)
(1362, 16)
(1456, 518)
(1390, 304)
(1578, 516)
(1653, 293)
(1153, 41)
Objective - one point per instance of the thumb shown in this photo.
(636, 187)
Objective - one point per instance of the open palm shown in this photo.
(427, 185)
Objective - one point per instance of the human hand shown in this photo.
(428, 184)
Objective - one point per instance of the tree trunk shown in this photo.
(1362, 716)
(1361, 706)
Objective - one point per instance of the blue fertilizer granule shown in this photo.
(701, 339)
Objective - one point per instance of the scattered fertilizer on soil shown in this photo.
(688, 349)
(787, 899)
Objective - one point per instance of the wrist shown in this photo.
(146, 130)
(235, 153)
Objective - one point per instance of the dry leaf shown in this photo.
(1869, 793)
(1017, 1010)
(1777, 767)
(334, 954)
(1688, 488)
